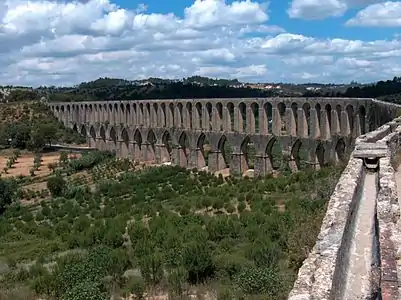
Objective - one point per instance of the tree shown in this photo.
(56, 185)
(7, 193)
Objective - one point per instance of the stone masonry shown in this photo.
(176, 130)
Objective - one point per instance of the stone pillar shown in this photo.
(263, 165)
(302, 123)
(335, 124)
(205, 118)
(238, 164)
(250, 120)
(216, 161)
(162, 154)
(325, 126)
(291, 124)
(196, 159)
(357, 126)
(179, 157)
(238, 122)
(196, 119)
(226, 119)
(263, 122)
(215, 119)
(345, 128)
(276, 128)
(314, 123)
(137, 153)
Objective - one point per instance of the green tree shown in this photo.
(56, 185)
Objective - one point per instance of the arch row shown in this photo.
(239, 153)
(296, 117)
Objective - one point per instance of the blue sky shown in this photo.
(67, 41)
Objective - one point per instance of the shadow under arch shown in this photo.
(182, 150)
(300, 155)
(248, 151)
(340, 150)
(151, 140)
(204, 147)
(138, 145)
(125, 144)
(92, 140)
(319, 156)
(165, 151)
(274, 151)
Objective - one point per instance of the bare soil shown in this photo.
(26, 162)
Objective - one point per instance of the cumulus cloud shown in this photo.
(318, 10)
(386, 14)
(65, 42)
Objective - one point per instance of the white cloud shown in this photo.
(318, 10)
(52, 42)
(386, 14)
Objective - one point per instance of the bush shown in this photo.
(56, 185)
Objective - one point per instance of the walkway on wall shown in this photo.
(363, 250)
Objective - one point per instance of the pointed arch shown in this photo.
(341, 151)
(319, 153)
(82, 131)
(151, 142)
(138, 151)
(92, 140)
(203, 145)
(165, 151)
(274, 151)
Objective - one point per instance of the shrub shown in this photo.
(56, 185)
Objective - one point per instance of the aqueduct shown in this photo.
(356, 253)
(314, 131)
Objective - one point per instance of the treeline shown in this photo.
(31, 125)
(157, 91)
(389, 90)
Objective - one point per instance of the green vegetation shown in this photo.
(31, 125)
(115, 230)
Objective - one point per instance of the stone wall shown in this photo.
(323, 274)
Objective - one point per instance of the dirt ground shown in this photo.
(25, 162)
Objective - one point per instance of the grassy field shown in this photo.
(166, 232)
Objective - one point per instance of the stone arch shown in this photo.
(116, 114)
(134, 115)
(147, 118)
(180, 115)
(110, 118)
(299, 156)
(340, 151)
(128, 114)
(75, 128)
(230, 116)
(92, 134)
(294, 119)
(163, 116)
(102, 134)
(201, 144)
(241, 118)
(188, 120)
(138, 141)
(141, 115)
(121, 115)
(318, 109)
(183, 150)
(328, 116)
(274, 151)
(155, 121)
(306, 109)
(125, 142)
(255, 118)
(319, 155)
(113, 136)
(172, 122)
(362, 119)
(82, 131)
(151, 149)
(283, 126)
(198, 116)
(165, 151)
(209, 110)
(225, 149)
(248, 154)
(219, 117)
(350, 115)
(268, 114)
(338, 110)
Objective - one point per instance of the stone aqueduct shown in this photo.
(176, 130)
